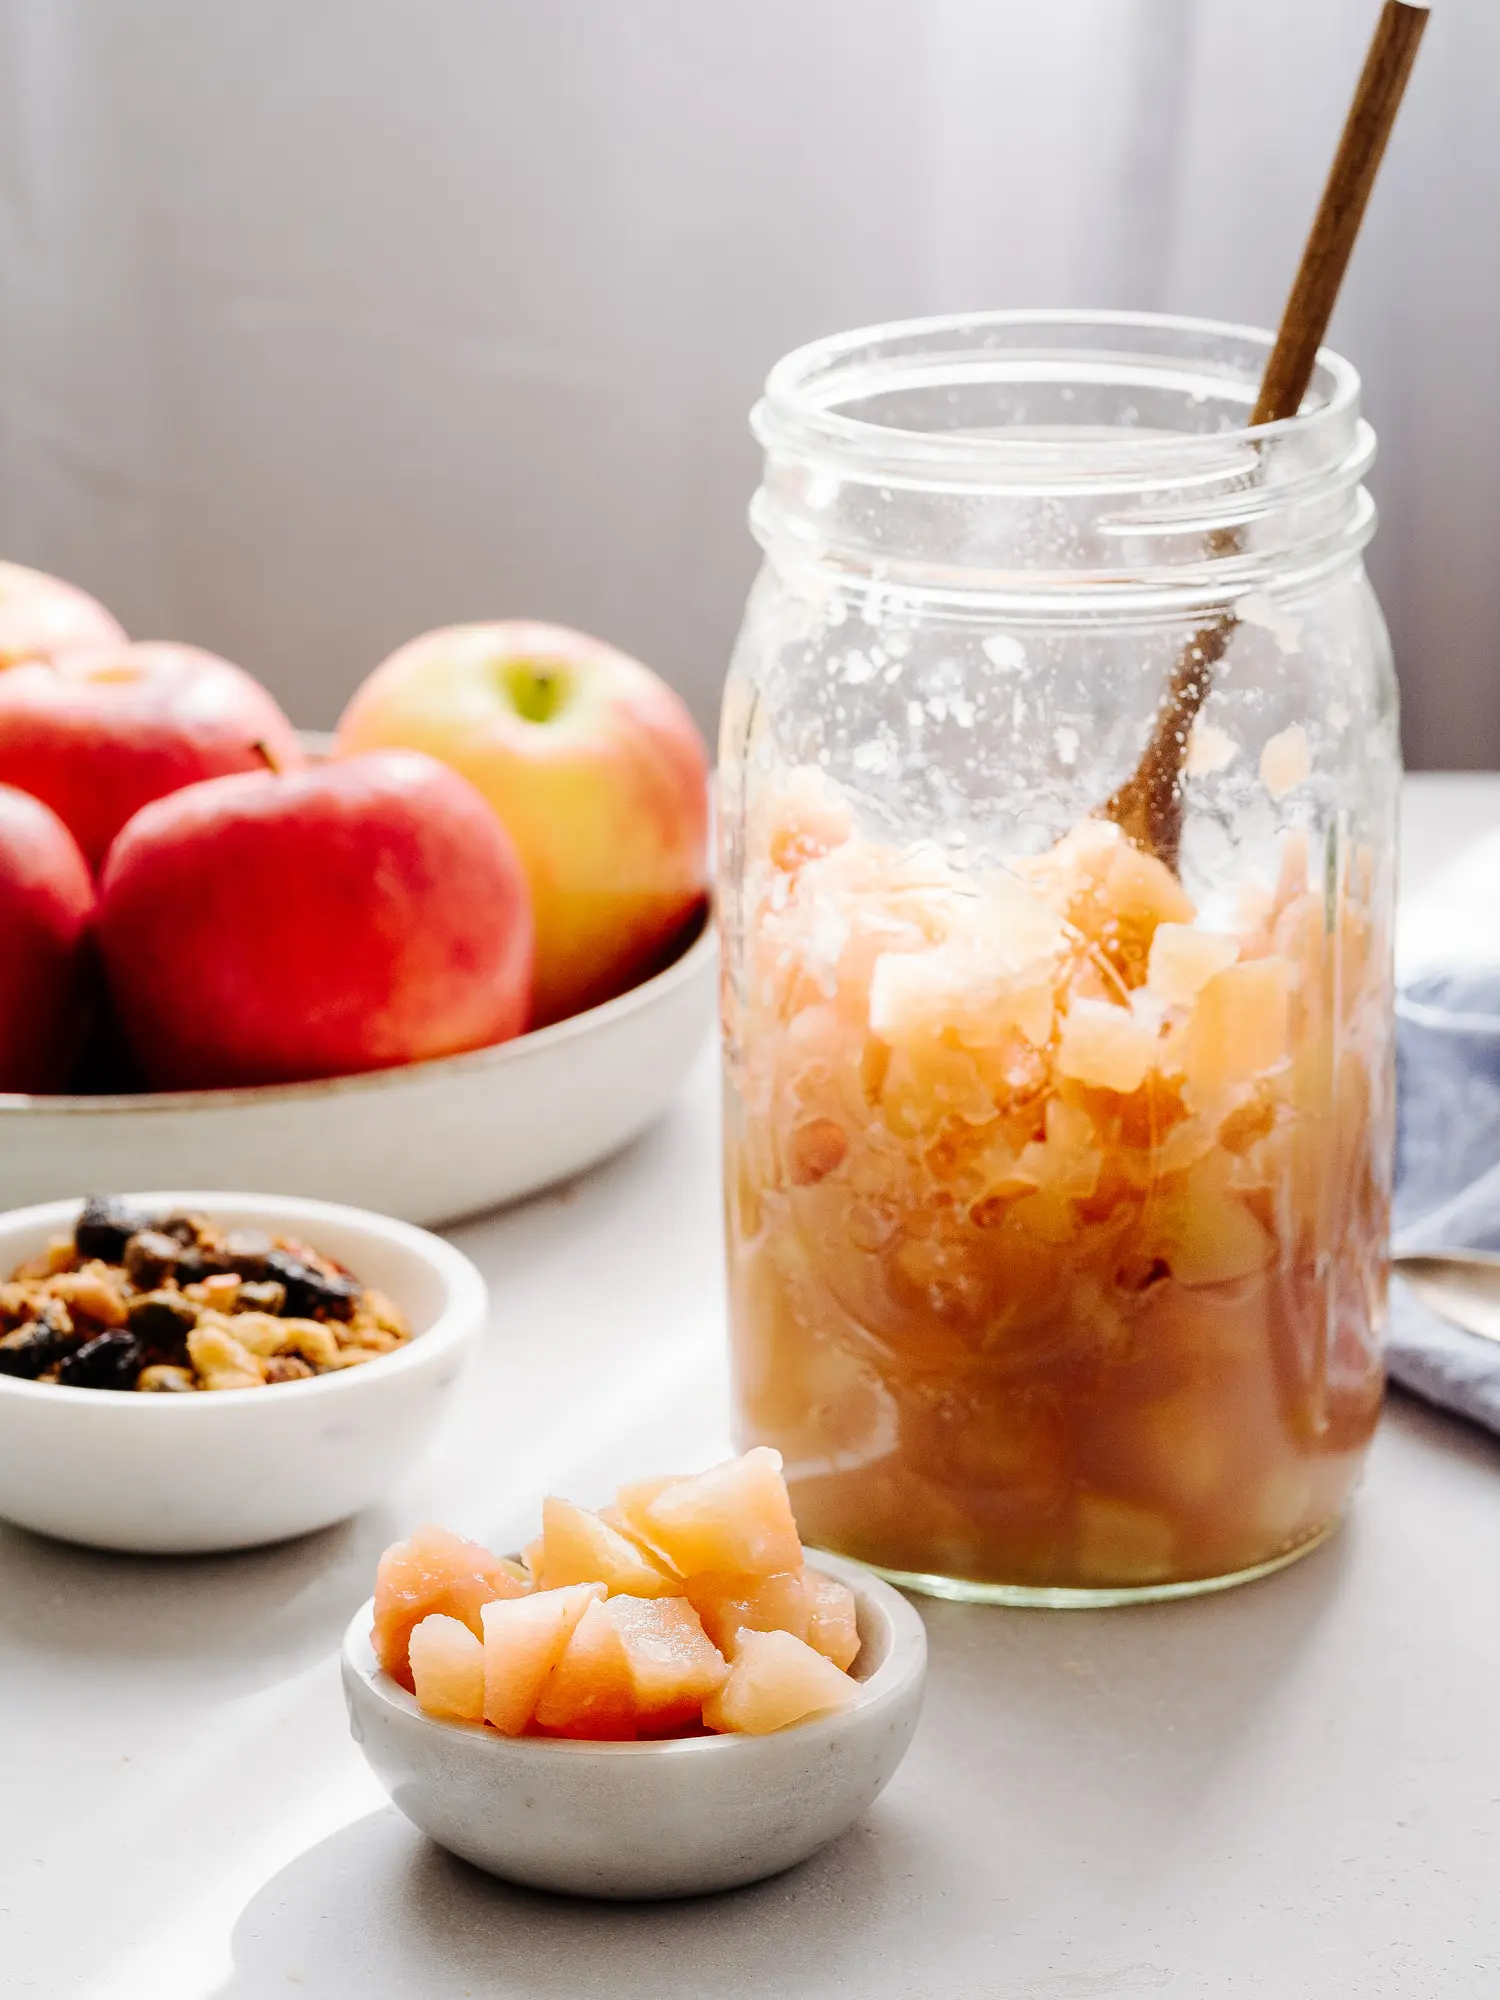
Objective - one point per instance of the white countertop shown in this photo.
(1292, 1790)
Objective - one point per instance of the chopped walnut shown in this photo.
(373, 1340)
(19, 1300)
(219, 1293)
(161, 1379)
(262, 1333)
(59, 1255)
(375, 1306)
(221, 1361)
(312, 1340)
(196, 1306)
(92, 1292)
(231, 1378)
(288, 1368)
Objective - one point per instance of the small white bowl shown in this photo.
(643, 1821)
(235, 1468)
(428, 1141)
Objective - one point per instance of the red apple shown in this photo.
(41, 616)
(594, 766)
(270, 927)
(98, 733)
(46, 899)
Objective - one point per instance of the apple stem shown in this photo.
(538, 689)
(268, 756)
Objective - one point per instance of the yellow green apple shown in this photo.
(593, 765)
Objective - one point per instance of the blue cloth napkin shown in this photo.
(1447, 1178)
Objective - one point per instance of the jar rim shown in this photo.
(802, 408)
(1022, 457)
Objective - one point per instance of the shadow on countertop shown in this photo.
(379, 1910)
(245, 1620)
(1090, 1720)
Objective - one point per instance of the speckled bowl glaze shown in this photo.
(632, 1821)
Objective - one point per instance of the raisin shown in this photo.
(245, 1251)
(183, 1229)
(104, 1226)
(162, 1380)
(150, 1256)
(26, 1352)
(264, 1296)
(111, 1361)
(40, 1343)
(161, 1322)
(310, 1293)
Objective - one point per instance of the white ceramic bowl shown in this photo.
(428, 1142)
(231, 1469)
(648, 1820)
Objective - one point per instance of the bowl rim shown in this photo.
(904, 1663)
(459, 1320)
(535, 1042)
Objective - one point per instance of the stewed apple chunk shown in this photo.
(733, 1517)
(447, 1669)
(434, 1571)
(578, 1547)
(1022, 1154)
(832, 1628)
(730, 1604)
(674, 1665)
(776, 1680)
(590, 1691)
(524, 1639)
(630, 1622)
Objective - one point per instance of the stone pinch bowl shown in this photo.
(646, 1821)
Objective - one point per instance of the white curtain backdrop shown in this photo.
(322, 321)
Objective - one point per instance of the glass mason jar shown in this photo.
(1057, 1179)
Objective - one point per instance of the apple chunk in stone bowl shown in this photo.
(455, 954)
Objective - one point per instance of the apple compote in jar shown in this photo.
(1056, 1176)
